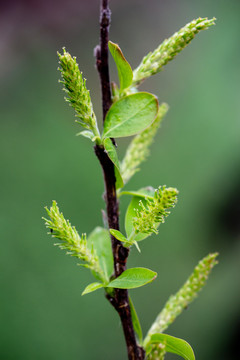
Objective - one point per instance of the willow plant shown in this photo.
(127, 112)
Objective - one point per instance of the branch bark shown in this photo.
(101, 54)
(120, 300)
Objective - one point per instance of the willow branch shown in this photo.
(101, 54)
(120, 299)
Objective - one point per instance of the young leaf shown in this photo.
(133, 278)
(142, 193)
(173, 345)
(100, 241)
(87, 134)
(136, 322)
(112, 154)
(125, 73)
(92, 287)
(118, 235)
(130, 115)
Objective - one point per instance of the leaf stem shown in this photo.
(119, 299)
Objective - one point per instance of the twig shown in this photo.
(101, 54)
(120, 300)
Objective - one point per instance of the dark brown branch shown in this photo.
(101, 54)
(110, 198)
(120, 299)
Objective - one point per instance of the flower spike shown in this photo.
(78, 95)
(153, 62)
(154, 212)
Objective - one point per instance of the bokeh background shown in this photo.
(43, 315)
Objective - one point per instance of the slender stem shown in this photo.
(120, 299)
(101, 53)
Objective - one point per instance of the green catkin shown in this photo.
(188, 292)
(70, 239)
(138, 150)
(154, 61)
(78, 95)
(158, 352)
(155, 211)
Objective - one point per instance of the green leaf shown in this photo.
(90, 135)
(112, 154)
(130, 115)
(173, 345)
(125, 73)
(127, 242)
(87, 134)
(100, 240)
(136, 322)
(133, 278)
(92, 287)
(131, 213)
(148, 191)
(118, 235)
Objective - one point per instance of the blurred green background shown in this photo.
(42, 313)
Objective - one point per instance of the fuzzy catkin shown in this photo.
(153, 62)
(138, 150)
(70, 239)
(158, 352)
(78, 95)
(154, 212)
(188, 292)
